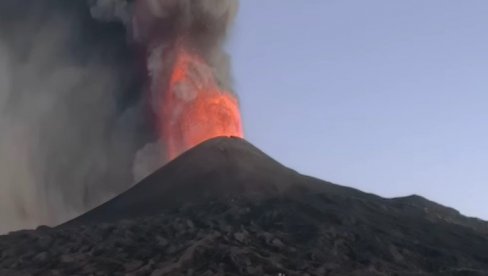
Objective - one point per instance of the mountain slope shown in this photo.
(225, 208)
(218, 168)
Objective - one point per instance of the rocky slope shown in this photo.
(225, 208)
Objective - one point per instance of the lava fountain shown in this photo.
(194, 108)
(188, 68)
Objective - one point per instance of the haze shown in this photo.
(386, 96)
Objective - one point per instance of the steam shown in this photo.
(74, 124)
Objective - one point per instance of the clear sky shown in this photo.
(390, 97)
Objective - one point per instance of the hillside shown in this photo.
(226, 208)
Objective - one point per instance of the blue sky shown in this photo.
(390, 97)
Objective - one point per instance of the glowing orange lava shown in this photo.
(194, 107)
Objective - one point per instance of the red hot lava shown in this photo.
(194, 108)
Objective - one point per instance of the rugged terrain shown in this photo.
(225, 208)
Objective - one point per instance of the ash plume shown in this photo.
(160, 24)
(161, 28)
(70, 113)
(75, 116)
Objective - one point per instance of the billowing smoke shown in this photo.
(77, 97)
(70, 111)
(189, 79)
(157, 24)
(202, 23)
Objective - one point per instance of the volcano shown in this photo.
(221, 168)
(226, 208)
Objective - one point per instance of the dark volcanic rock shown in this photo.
(225, 208)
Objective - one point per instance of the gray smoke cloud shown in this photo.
(68, 128)
(161, 26)
(158, 24)
(74, 123)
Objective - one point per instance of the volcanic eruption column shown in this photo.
(188, 69)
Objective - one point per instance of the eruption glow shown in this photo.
(188, 70)
(194, 107)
